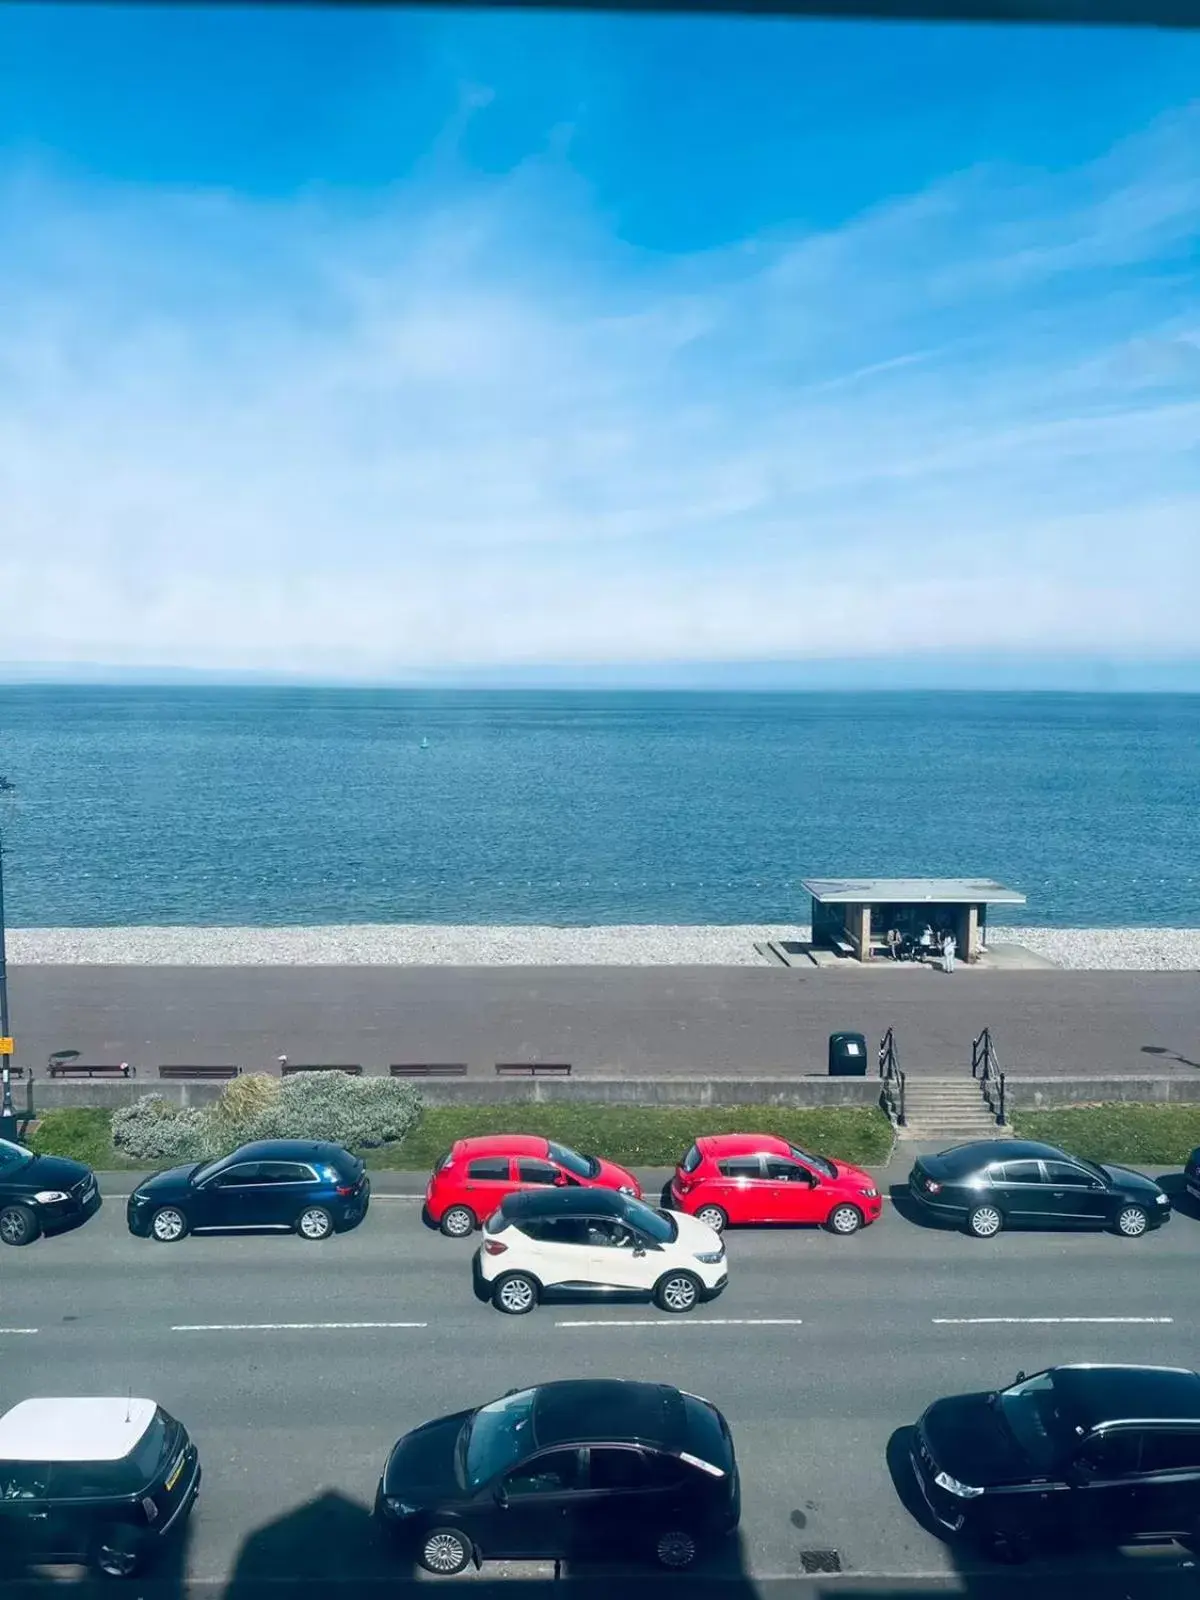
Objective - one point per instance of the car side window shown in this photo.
(488, 1167)
(246, 1172)
(741, 1167)
(84, 1480)
(530, 1170)
(1019, 1172)
(554, 1473)
(1065, 1174)
(24, 1480)
(609, 1233)
(787, 1171)
(285, 1172)
(613, 1468)
(1112, 1455)
(1171, 1452)
(662, 1472)
(556, 1230)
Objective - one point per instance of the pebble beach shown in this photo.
(1078, 949)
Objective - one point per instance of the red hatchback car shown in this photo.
(754, 1177)
(469, 1182)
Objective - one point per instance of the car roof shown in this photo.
(74, 1429)
(742, 1144)
(1094, 1395)
(563, 1203)
(581, 1410)
(288, 1150)
(501, 1144)
(967, 1157)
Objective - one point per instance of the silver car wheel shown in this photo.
(985, 1222)
(1132, 1222)
(676, 1549)
(517, 1294)
(679, 1294)
(168, 1225)
(458, 1222)
(713, 1216)
(444, 1552)
(316, 1223)
(845, 1220)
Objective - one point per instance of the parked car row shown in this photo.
(585, 1469)
(318, 1189)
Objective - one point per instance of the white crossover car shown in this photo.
(596, 1243)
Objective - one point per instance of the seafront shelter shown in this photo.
(853, 915)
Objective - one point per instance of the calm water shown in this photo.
(264, 806)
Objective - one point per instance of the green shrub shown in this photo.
(241, 1112)
(152, 1129)
(360, 1113)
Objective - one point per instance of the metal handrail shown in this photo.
(892, 1075)
(985, 1065)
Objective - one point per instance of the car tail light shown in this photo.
(345, 1190)
(494, 1247)
(683, 1183)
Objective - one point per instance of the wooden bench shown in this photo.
(288, 1067)
(173, 1073)
(533, 1069)
(80, 1069)
(428, 1069)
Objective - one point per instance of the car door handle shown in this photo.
(1058, 1194)
(39, 1516)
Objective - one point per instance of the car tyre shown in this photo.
(714, 1217)
(458, 1222)
(516, 1294)
(844, 1220)
(678, 1292)
(446, 1551)
(676, 1549)
(168, 1225)
(985, 1221)
(315, 1223)
(18, 1225)
(1132, 1221)
(117, 1553)
(1011, 1549)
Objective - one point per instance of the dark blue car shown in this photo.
(290, 1185)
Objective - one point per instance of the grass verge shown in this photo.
(638, 1136)
(1137, 1134)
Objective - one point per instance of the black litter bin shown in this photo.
(847, 1055)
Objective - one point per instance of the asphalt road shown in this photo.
(640, 1021)
(296, 1366)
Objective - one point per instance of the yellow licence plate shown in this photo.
(175, 1471)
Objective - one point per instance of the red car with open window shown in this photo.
(731, 1178)
(471, 1179)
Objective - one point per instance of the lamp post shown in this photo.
(8, 1117)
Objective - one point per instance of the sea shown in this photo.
(262, 807)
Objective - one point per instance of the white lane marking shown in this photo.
(973, 1322)
(18, 1330)
(702, 1322)
(284, 1327)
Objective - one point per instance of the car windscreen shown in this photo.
(13, 1157)
(581, 1166)
(656, 1225)
(817, 1163)
(90, 1480)
(1038, 1419)
(496, 1438)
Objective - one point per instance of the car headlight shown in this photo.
(869, 1194)
(1162, 1199)
(964, 1491)
(710, 1257)
(398, 1508)
(47, 1197)
(140, 1197)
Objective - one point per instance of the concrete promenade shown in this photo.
(644, 1021)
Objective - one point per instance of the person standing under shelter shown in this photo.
(949, 947)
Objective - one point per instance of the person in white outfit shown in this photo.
(949, 946)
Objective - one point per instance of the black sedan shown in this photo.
(284, 1185)
(42, 1194)
(583, 1468)
(1010, 1183)
(1076, 1455)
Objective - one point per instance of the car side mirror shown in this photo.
(1020, 1377)
(639, 1249)
(560, 1180)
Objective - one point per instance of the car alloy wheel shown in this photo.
(315, 1223)
(445, 1552)
(168, 1225)
(18, 1225)
(714, 1217)
(515, 1294)
(675, 1548)
(458, 1223)
(678, 1291)
(985, 1222)
(1132, 1222)
(845, 1220)
(116, 1553)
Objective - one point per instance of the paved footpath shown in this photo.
(641, 1021)
(297, 1365)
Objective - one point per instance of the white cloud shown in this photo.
(315, 437)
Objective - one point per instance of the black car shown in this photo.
(102, 1482)
(584, 1468)
(1013, 1183)
(1077, 1454)
(42, 1194)
(1191, 1175)
(291, 1185)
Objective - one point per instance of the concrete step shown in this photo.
(952, 1133)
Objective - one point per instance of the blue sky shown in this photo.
(384, 344)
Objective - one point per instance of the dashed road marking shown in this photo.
(975, 1322)
(700, 1322)
(285, 1327)
(18, 1330)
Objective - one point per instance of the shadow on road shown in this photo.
(1169, 1055)
(907, 1208)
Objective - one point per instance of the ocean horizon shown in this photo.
(205, 806)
